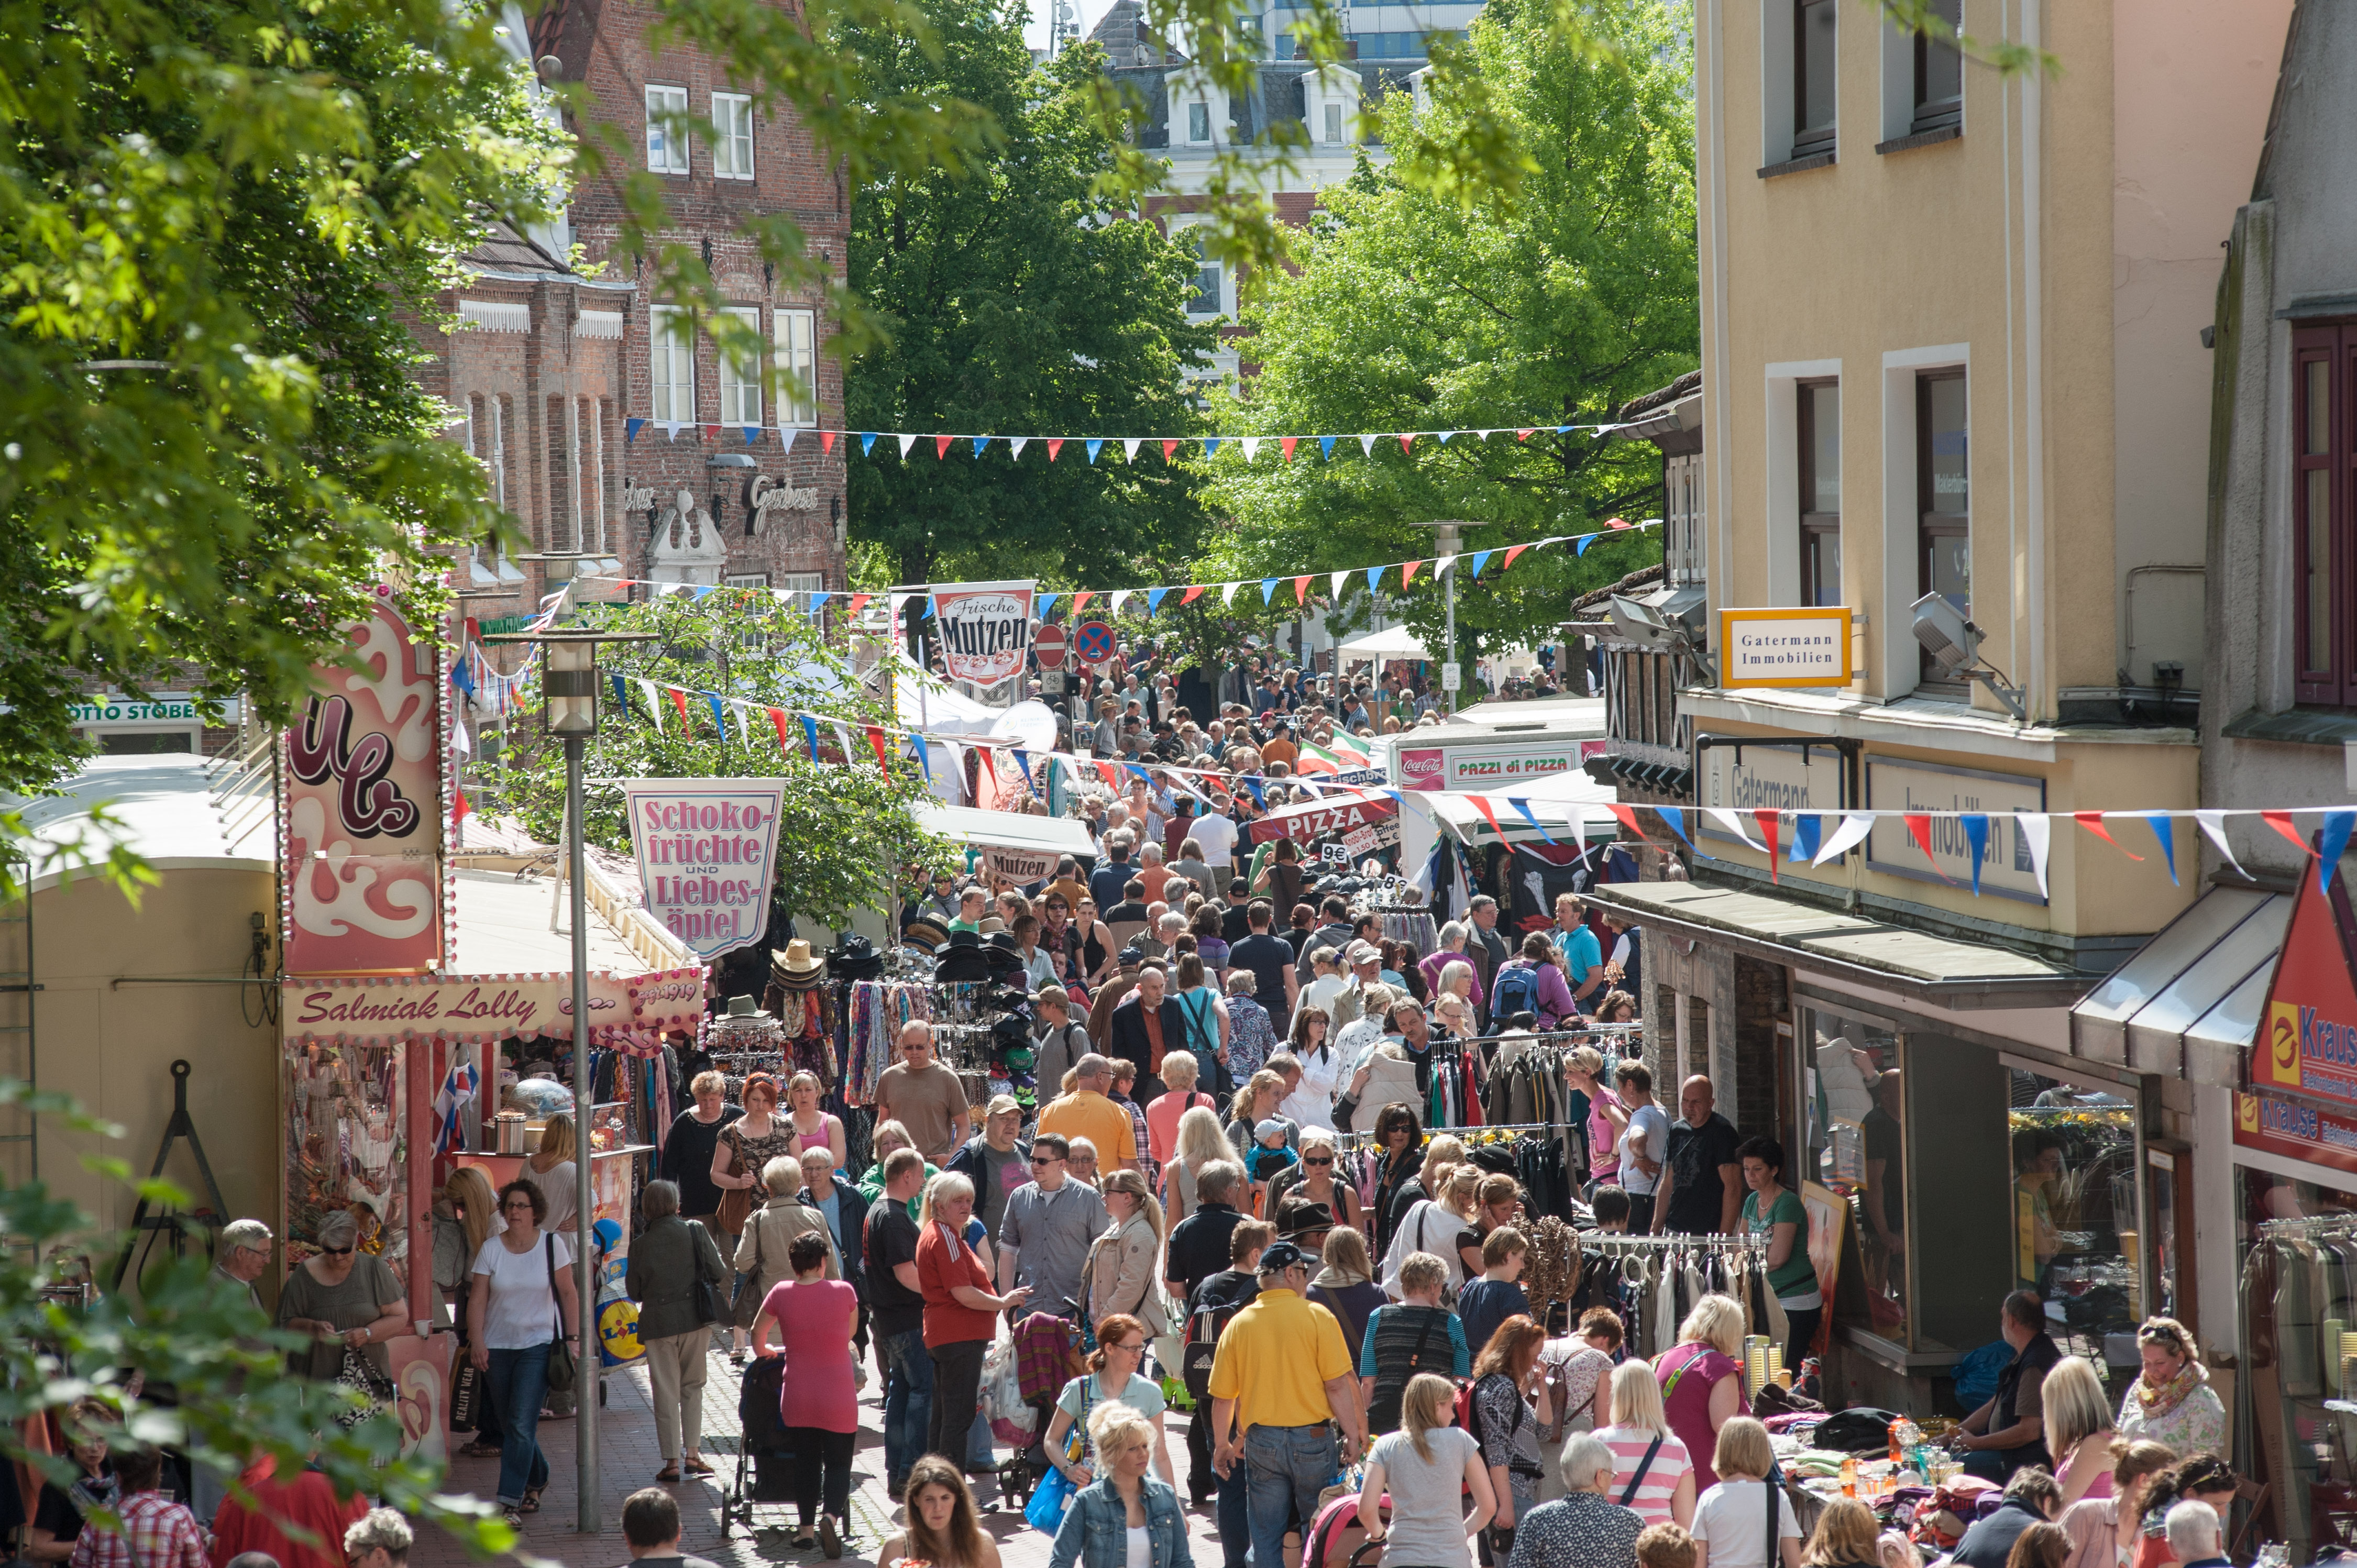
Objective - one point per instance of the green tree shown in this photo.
(846, 829)
(1018, 300)
(1413, 312)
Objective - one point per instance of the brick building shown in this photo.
(615, 432)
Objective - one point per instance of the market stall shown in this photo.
(1016, 845)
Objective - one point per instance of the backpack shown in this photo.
(1468, 1412)
(1515, 990)
(1203, 1346)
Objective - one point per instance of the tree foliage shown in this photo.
(846, 828)
(1015, 300)
(1413, 312)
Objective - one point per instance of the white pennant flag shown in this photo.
(1367, 445)
(1119, 599)
(1442, 564)
(2035, 828)
(957, 762)
(1733, 822)
(459, 740)
(744, 725)
(906, 442)
(653, 705)
(1853, 830)
(1575, 819)
(1485, 434)
(2213, 823)
(1336, 580)
(1252, 448)
(1018, 442)
(1228, 594)
(787, 435)
(843, 739)
(1129, 445)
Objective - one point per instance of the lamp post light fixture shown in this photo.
(569, 685)
(1446, 540)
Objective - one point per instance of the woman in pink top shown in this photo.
(2077, 1429)
(1702, 1381)
(1579, 1070)
(1656, 1481)
(817, 1401)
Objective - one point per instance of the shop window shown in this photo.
(2295, 1243)
(2077, 1230)
(1853, 1127)
(1939, 96)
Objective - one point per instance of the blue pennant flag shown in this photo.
(1259, 795)
(621, 692)
(810, 735)
(1374, 574)
(819, 596)
(930, 606)
(1326, 444)
(1523, 806)
(924, 751)
(867, 442)
(979, 442)
(1045, 602)
(2164, 830)
(1582, 542)
(1023, 761)
(1480, 559)
(1976, 835)
(630, 430)
(751, 432)
(719, 719)
(703, 591)
(1268, 588)
(1677, 817)
(1210, 445)
(462, 677)
(2336, 839)
(1808, 832)
(1153, 599)
(1564, 429)
(1140, 775)
(1096, 445)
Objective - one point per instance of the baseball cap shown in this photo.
(1364, 952)
(1004, 1105)
(1269, 1128)
(1282, 1255)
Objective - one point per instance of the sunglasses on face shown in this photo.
(336, 1252)
(1317, 1159)
(1039, 1160)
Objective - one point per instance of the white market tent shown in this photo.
(1392, 642)
(1015, 831)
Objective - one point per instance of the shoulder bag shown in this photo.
(735, 1202)
(746, 1304)
(1629, 1493)
(707, 1292)
(563, 1370)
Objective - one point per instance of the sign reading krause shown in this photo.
(707, 851)
(986, 629)
(1784, 647)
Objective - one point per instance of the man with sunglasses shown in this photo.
(1044, 1237)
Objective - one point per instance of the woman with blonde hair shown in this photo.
(1313, 1178)
(1120, 1275)
(1652, 1471)
(473, 1219)
(960, 1311)
(551, 1168)
(1124, 1518)
(2077, 1429)
(1439, 1225)
(1735, 1518)
(1702, 1379)
(1426, 1467)
(1200, 1142)
(1346, 1285)
(1180, 1073)
(2171, 1401)
(1253, 1103)
(1847, 1536)
(815, 1126)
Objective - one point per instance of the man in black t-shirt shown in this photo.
(1233, 924)
(1231, 1290)
(1702, 1185)
(897, 1304)
(1270, 959)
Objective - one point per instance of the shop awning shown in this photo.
(1898, 958)
(1013, 843)
(2187, 1005)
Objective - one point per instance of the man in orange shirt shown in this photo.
(1090, 1112)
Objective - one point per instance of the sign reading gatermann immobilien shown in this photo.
(708, 852)
(1784, 647)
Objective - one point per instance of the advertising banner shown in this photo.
(1303, 824)
(362, 811)
(1769, 776)
(2295, 1131)
(986, 629)
(2007, 869)
(707, 853)
(488, 1008)
(1784, 647)
(1485, 767)
(2308, 1036)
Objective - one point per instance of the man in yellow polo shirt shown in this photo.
(1281, 1373)
(1087, 1112)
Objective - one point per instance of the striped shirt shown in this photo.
(1670, 1466)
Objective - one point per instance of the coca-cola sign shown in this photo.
(363, 818)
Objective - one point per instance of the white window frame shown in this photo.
(1191, 236)
(740, 380)
(801, 583)
(795, 337)
(1205, 139)
(670, 364)
(1333, 107)
(746, 580)
(670, 149)
(596, 416)
(732, 146)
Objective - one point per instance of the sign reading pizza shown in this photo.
(1304, 823)
(986, 629)
(707, 851)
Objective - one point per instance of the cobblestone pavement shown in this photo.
(630, 1459)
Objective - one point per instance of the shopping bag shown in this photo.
(1050, 1499)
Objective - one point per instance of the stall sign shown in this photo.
(708, 852)
(634, 1009)
(164, 710)
(1364, 841)
(986, 629)
(421, 1385)
(1484, 767)
(1768, 776)
(363, 817)
(1303, 824)
(2006, 869)
(1784, 647)
(2307, 1041)
(2295, 1131)
(1020, 865)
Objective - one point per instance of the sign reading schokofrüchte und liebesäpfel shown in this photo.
(707, 854)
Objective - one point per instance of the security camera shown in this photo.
(1951, 640)
(1642, 624)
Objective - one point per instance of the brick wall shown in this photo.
(1760, 1003)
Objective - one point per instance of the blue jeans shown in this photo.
(1287, 1467)
(518, 1382)
(908, 1400)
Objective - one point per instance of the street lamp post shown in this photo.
(569, 687)
(1446, 539)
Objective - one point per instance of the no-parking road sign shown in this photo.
(1093, 643)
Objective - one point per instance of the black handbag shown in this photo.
(707, 1296)
(563, 1368)
(465, 1394)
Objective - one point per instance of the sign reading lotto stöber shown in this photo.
(1784, 647)
(707, 853)
(986, 629)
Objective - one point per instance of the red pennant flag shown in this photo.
(1918, 828)
(712, 433)
(2093, 822)
(981, 757)
(1617, 522)
(1481, 804)
(1407, 440)
(1407, 573)
(1286, 443)
(827, 442)
(1301, 590)
(1525, 435)
(679, 701)
(1055, 444)
(941, 446)
(459, 808)
(1110, 774)
(1769, 821)
(1628, 815)
(1512, 551)
(1192, 595)
(859, 602)
(1082, 598)
(2281, 822)
(778, 721)
(1170, 450)
(875, 744)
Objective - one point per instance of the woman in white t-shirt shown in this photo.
(1733, 1519)
(1424, 1466)
(1661, 1488)
(1644, 1142)
(516, 1312)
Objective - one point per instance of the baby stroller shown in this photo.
(765, 1456)
(1056, 1359)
